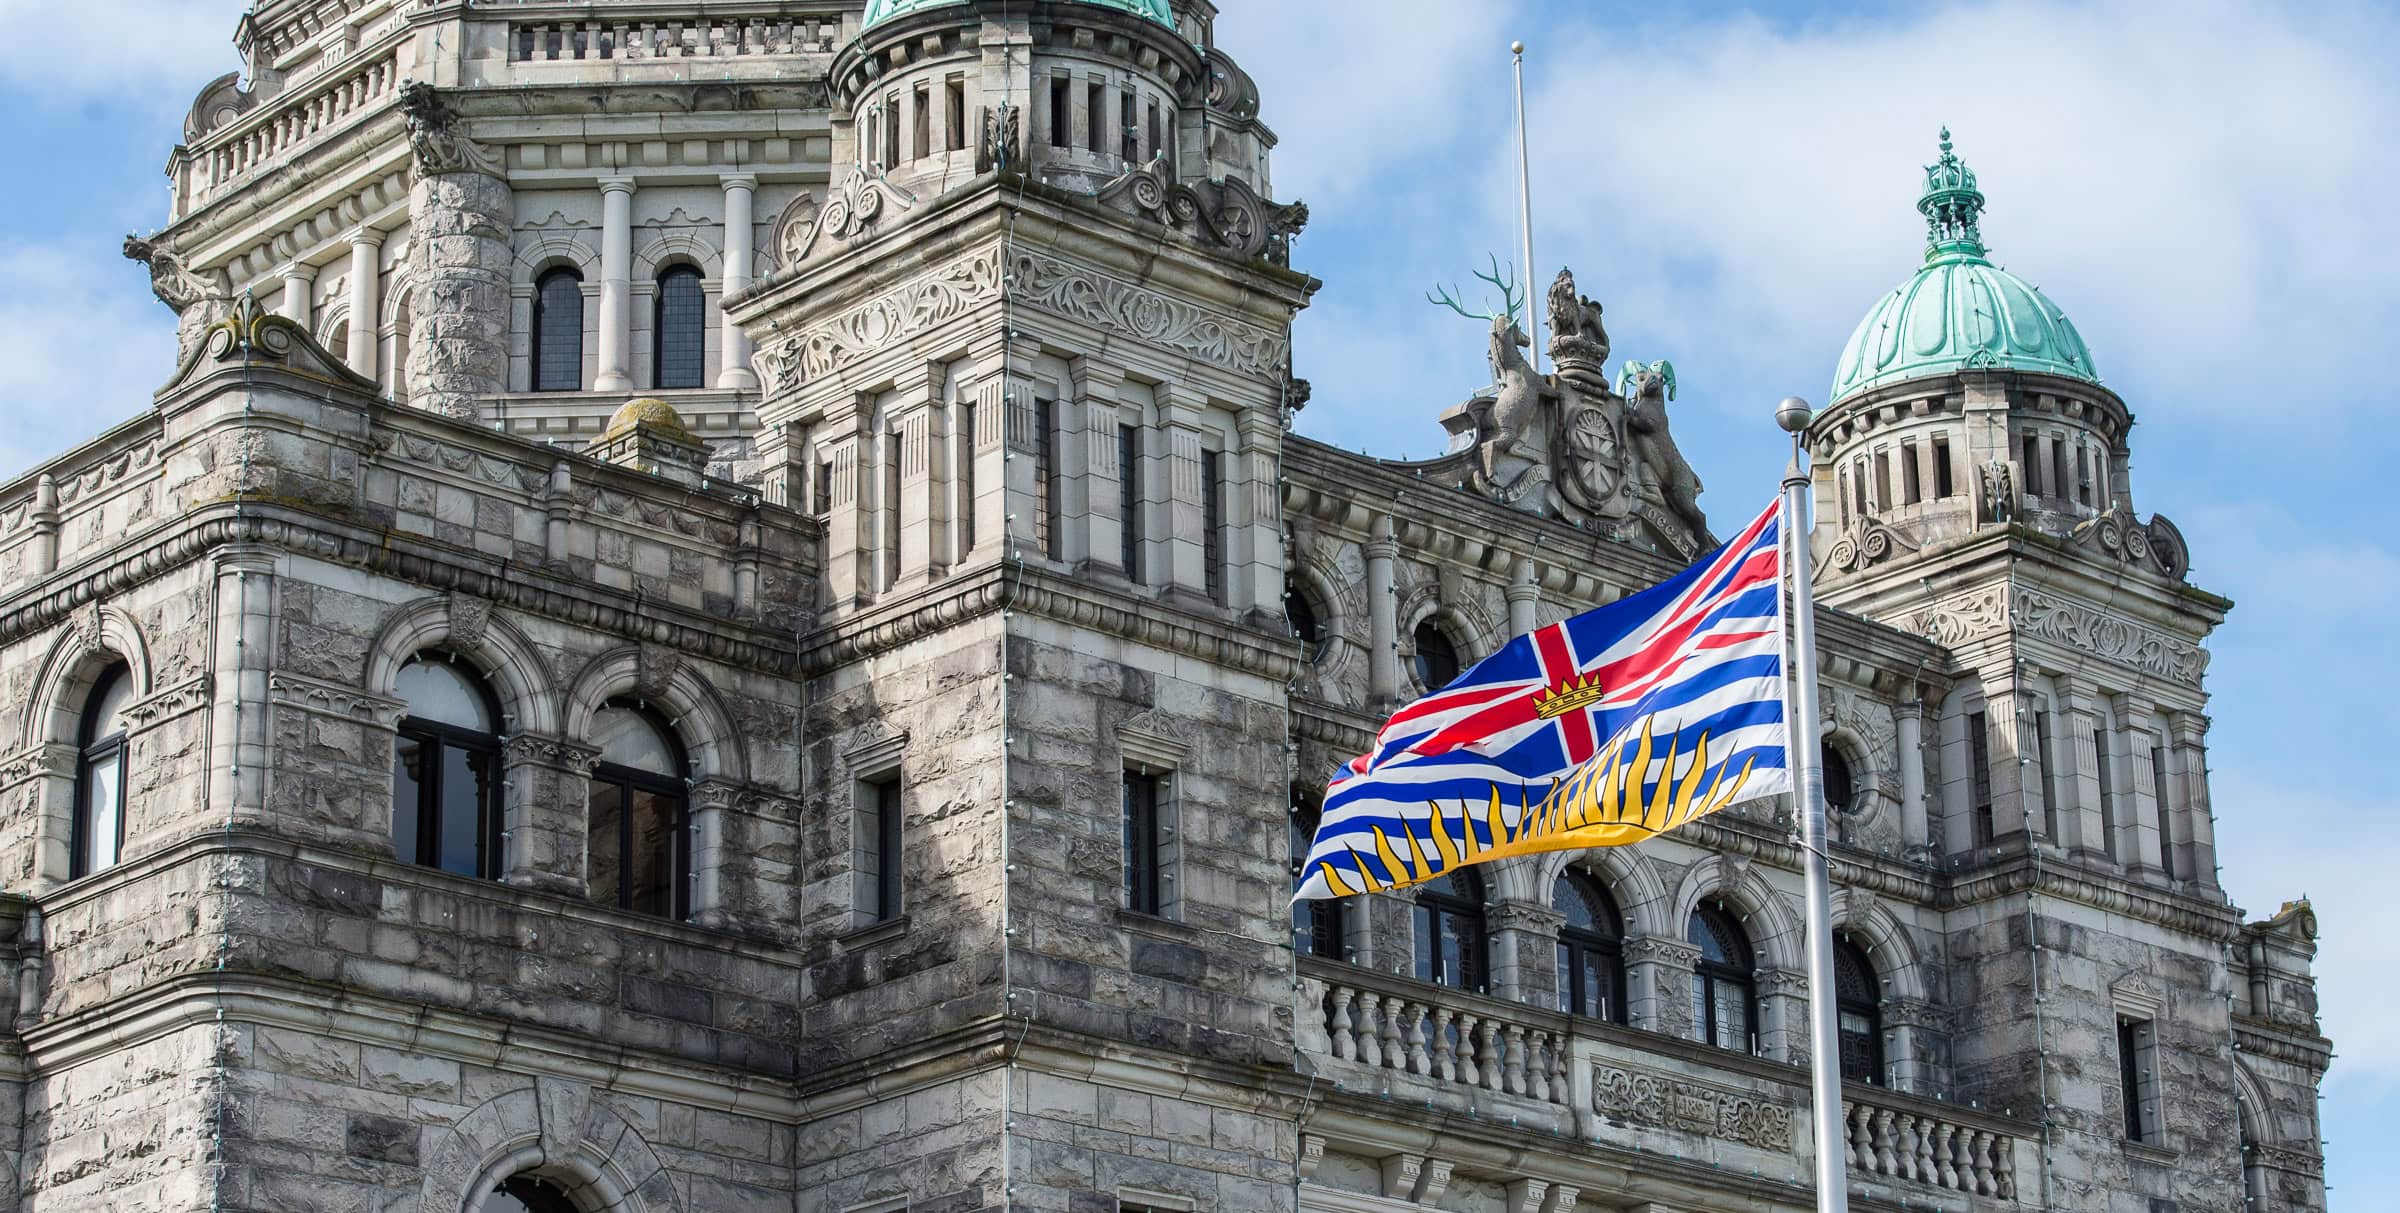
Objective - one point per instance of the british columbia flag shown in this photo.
(1605, 728)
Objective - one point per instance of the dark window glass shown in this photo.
(1212, 521)
(1095, 117)
(529, 1194)
(2165, 800)
(891, 131)
(1143, 867)
(2083, 473)
(98, 829)
(1048, 529)
(879, 845)
(1912, 484)
(1300, 611)
(2108, 791)
(1841, 788)
(966, 478)
(921, 124)
(1130, 148)
(1157, 142)
(1437, 658)
(1979, 777)
(824, 487)
(1060, 117)
(558, 332)
(1591, 949)
(2129, 1076)
(1129, 501)
(1317, 926)
(2047, 776)
(2058, 469)
(446, 770)
(638, 815)
(1941, 467)
(1858, 1011)
(954, 124)
(1450, 930)
(1724, 993)
(678, 344)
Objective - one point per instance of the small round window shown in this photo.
(1306, 621)
(1437, 658)
(1841, 790)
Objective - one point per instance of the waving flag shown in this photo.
(1602, 729)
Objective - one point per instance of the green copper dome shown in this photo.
(885, 10)
(1960, 311)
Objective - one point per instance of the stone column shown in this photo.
(1103, 528)
(1524, 597)
(1525, 952)
(1658, 984)
(298, 281)
(366, 290)
(1782, 1025)
(244, 609)
(1904, 1020)
(1383, 616)
(1909, 721)
(2004, 714)
(616, 286)
(1255, 516)
(741, 241)
(463, 252)
(2196, 856)
(849, 576)
(2144, 804)
(2079, 754)
(546, 790)
(1186, 527)
(911, 417)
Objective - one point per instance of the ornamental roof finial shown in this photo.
(1952, 207)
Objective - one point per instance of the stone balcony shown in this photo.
(1566, 1081)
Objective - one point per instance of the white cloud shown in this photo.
(80, 355)
(111, 48)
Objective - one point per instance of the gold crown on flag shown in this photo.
(1568, 696)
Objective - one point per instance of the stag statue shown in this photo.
(1517, 408)
(1647, 387)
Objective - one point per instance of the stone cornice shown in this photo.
(183, 698)
(291, 690)
(2304, 1049)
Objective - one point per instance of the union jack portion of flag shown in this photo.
(1605, 728)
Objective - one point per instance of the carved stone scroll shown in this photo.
(1691, 1107)
(917, 305)
(1068, 290)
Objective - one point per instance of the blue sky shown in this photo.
(2205, 187)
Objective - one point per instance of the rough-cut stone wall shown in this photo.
(462, 254)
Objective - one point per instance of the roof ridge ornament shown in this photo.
(1952, 207)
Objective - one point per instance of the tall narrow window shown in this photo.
(2083, 473)
(1129, 502)
(638, 815)
(1145, 868)
(2108, 792)
(1437, 658)
(678, 345)
(2046, 775)
(558, 332)
(1061, 115)
(891, 130)
(1129, 136)
(1048, 531)
(1450, 932)
(98, 829)
(1883, 479)
(1157, 139)
(1212, 522)
(954, 114)
(2165, 800)
(1942, 486)
(878, 843)
(822, 501)
(921, 103)
(889, 507)
(446, 769)
(2137, 1078)
(2031, 461)
(1307, 623)
(1979, 777)
(1858, 484)
(1858, 1010)
(966, 477)
(2059, 487)
(1841, 787)
(1317, 926)
(1724, 990)
(1591, 949)
(1912, 482)
(1095, 116)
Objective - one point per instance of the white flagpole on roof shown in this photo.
(1533, 299)
(1808, 787)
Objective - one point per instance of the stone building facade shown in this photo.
(722, 612)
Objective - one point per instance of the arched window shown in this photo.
(1724, 990)
(99, 825)
(639, 814)
(1308, 626)
(1437, 658)
(529, 1194)
(446, 769)
(1317, 926)
(1858, 1009)
(1841, 788)
(558, 332)
(1591, 951)
(677, 344)
(1450, 930)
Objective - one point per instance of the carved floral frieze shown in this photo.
(2110, 638)
(1690, 1107)
(332, 699)
(1964, 617)
(1068, 290)
(917, 305)
(188, 696)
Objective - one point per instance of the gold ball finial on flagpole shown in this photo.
(1793, 414)
(1516, 48)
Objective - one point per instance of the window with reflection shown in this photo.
(98, 830)
(1317, 926)
(1841, 787)
(529, 1194)
(1591, 949)
(1858, 1010)
(1450, 930)
(678, 334)
(1437, 658)
(446, 769)
(557, 352)
(1724, 982)
(639, 814)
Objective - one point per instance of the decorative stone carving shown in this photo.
(469, 616)
(1867, 541)
(1646, 388)
(1999, 492)
(1956, 620)
(2110, 638)
(2157, 546)
(1003, 139)
(434, 135)
(853, 211)
(655, 667)
(188, 696)
(329, 699)
(919, 304)
(550, 752)
(245, 333)
(1068, 290)
(199, 300)
(793, 228)
(1226, 216)
(1690, 1107)
(1576, 334)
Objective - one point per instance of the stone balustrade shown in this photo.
(230, 154)
(1445, 1035)
(696, 37)
(1896, 1137)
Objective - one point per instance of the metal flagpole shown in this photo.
(1824, 1041)
(1533, 299)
